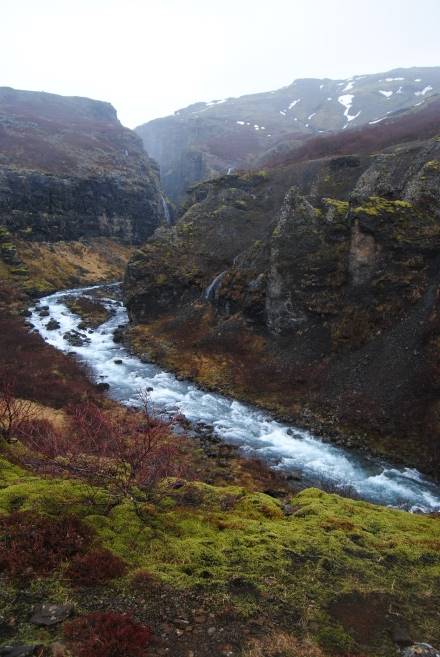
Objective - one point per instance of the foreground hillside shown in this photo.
(210, 138)
(310, 289)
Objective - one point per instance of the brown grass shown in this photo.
(282, 644)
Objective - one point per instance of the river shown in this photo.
(254, 431)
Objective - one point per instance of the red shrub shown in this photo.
(367, 139)
(31, 544)
(40, 372)
(107, 634)
(95, 567)
(126, 452)
(39, 435)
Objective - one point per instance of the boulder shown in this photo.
(21, 651)
(53, 324)
(50, 614)
(75, 338)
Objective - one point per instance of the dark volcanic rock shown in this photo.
(75, 338)
(20, 651)
(52, 325)
(70, 170)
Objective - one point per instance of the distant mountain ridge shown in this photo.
(208, 138)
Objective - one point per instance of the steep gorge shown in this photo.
(328, 310)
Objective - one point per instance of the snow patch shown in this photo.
(418, 80)
(283, 112)
(329, 98)
(240, 123)
(394, 79)
(311, 116)
(400, 90)
(293, 103)
(377, 120)
(321, 86)
(387, 94)
(347, 101)
(423, 92)
(349, 86)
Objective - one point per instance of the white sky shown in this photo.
(152, 57)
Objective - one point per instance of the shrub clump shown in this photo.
(32, 544)
(107, 634)
(95, 567)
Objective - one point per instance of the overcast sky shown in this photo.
(152, 57)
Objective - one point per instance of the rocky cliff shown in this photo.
(210, 138)
(311, 289)
(69, 170)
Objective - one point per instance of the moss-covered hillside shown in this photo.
(339, 571)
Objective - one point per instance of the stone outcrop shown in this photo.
(70, 170)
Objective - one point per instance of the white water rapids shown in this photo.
(254, 431)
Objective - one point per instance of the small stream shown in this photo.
(254, 431)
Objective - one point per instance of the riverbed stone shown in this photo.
(50, 614)
(20, 651)
(53, 324)
(75, 338)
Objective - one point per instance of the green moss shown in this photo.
(433, 165)
(335, 639)
(21, 491)
(376, 205)
(7, 247)
(19, 271)
(341, 207)
(4, 234)
(201, 535)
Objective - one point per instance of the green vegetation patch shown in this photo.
(341, 207)
(377, 205)
(204, 536)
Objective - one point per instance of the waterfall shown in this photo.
(166, 210)
(212, 288)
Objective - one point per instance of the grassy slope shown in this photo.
(300, 567)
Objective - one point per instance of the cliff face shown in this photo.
(207, 139)
(327, 306)
(69, 169)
